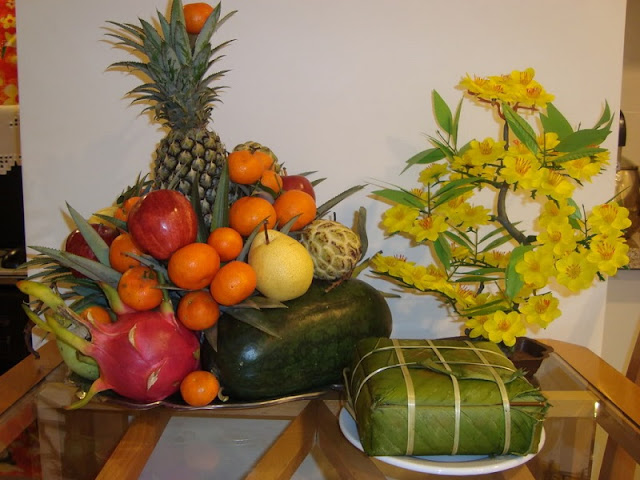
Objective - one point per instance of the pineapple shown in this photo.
(334, 248)
(180, 94)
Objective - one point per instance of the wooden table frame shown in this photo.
(314, 423)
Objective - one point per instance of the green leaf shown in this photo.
(247, 244)
(203, 235)
(400, 196)
(253, 317)
(520, 128)
(90, 268)
(455, 184)
(582, 139)
(360, 227)
(116, 222)
(476, 279)
(443, 252)
(577, 213)
(497, 242)
(485, 309)
(451, 194)
(442, 112)
(456, 123)
(93, 238)
(329, 204)
(458, 239)
(220, 208)
(425, 157)
(606, 116)
(580, 153)
(485, 270)
(554, 121)
(491, 234)
(446, 149)
(513, 280)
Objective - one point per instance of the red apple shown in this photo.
(76, 244)
(162, 222)
(298, 182)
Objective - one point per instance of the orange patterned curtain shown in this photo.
(9, 56)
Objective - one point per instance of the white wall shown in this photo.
(622, 317)
(339, 87)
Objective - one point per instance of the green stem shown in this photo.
(42, 293)
(65, 335)
(503, 219)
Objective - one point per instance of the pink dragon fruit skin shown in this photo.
(142, 356)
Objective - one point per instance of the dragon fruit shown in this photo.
(143, 356)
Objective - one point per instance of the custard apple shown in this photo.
(334, 248)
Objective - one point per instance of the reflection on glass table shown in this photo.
(302, 439)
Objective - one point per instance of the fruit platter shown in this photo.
(218, 279)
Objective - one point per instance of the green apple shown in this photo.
(283, 266)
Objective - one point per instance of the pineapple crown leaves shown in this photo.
(179, 93)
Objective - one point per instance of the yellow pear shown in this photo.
(284, 268)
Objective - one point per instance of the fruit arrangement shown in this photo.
(217, 259)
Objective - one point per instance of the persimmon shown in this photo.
(246, 213)
(96, 315)
(199, 388)
(235, 282)
(272, 181)
(227, 242)
(138, 288)
(294, 203)
(193, 266)
(195, 16)
(198, 310)
(120, 252)
(122, 213)
(245, 168)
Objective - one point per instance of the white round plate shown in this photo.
(440, 464)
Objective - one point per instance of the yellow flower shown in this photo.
(476, 326)
(496, 258)
(555, 212)
(548, 141)
(555, 185)
(415, 276)
(516, 147)
(608, 255)
(399, 218)
(428, 227)
(470, 216)
(432, 173)
(524, 77)
(560, 237)
(575, 272)
(387, 264)
(437, 280)
(582, 169)
(475, 85)
(523, 169)
(505, 327)
(486, 151)
(459, 252)
(541, 309)
(609, 218)
(536, 267)
(464, 295)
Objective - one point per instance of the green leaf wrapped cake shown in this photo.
(441, 397)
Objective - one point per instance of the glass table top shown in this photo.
(299, 439)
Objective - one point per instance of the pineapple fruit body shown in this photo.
(335, 249)
(184, 157)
